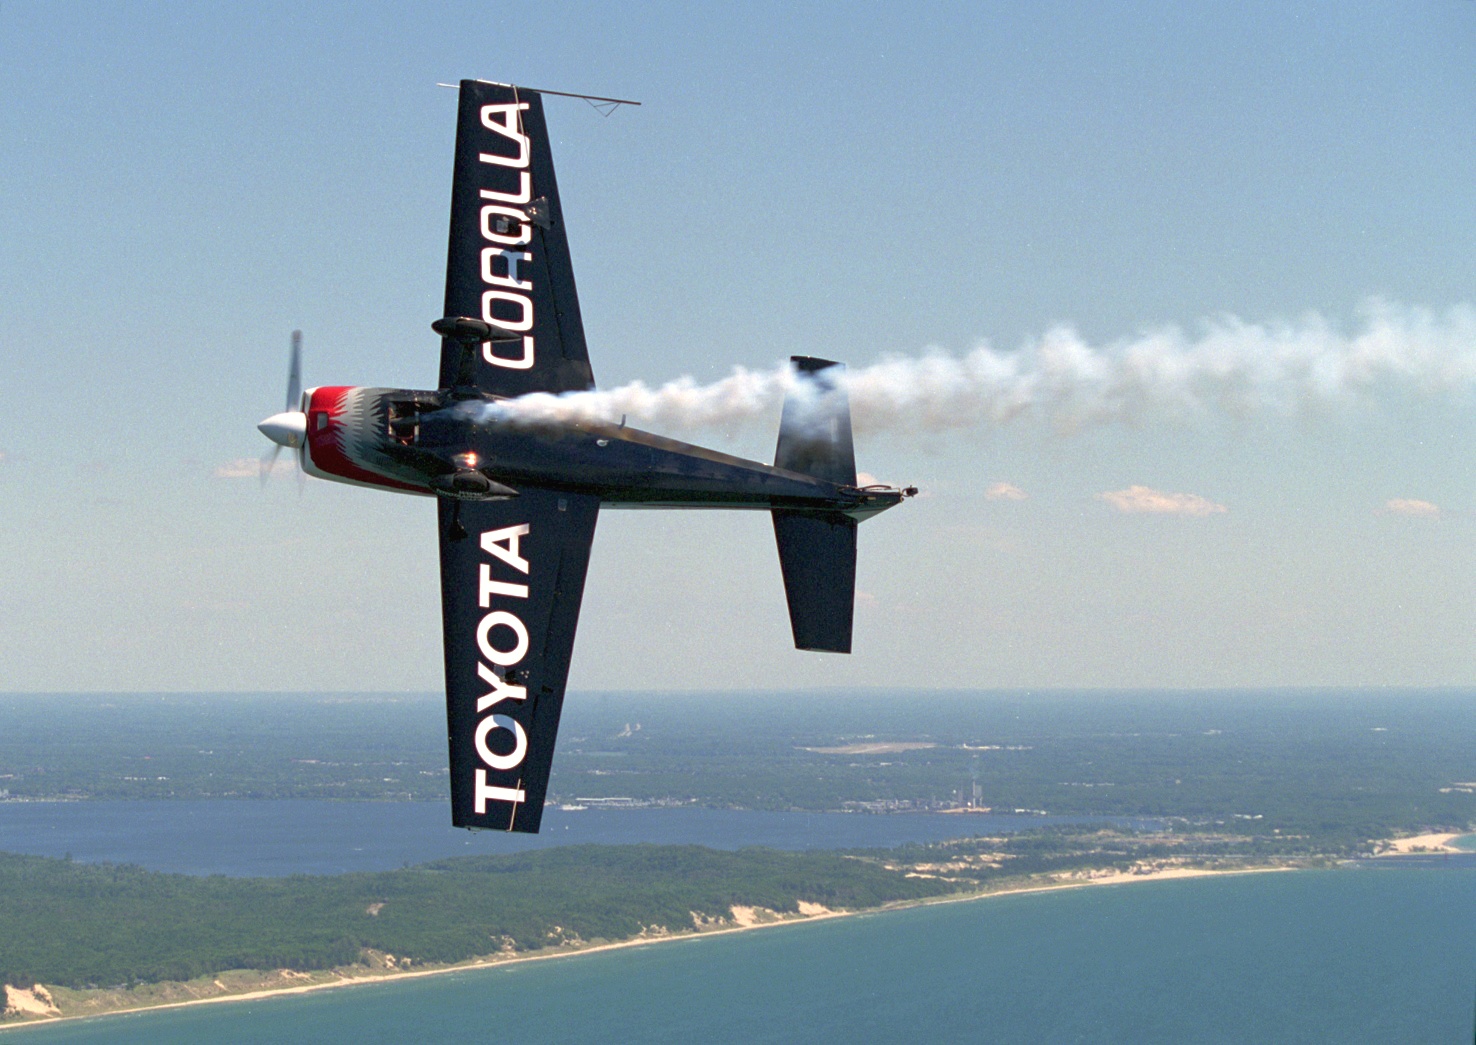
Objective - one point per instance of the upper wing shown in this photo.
(508, 260)
(510, 590)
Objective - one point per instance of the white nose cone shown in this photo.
(288, 428)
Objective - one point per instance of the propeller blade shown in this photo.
(294, 373)
(289, 428)
(268, 462)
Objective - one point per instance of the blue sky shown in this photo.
(184, 186)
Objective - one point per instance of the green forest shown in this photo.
(99, 925)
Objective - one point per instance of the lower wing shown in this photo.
(512, 576)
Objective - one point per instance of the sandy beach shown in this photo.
(1431, 843)
(43, 1004)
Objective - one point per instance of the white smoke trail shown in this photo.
(1233, 366)
(681, 404)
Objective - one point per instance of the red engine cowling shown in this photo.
(341, 430)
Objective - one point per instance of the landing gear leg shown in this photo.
(455, 531)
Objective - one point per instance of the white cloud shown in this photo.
(1141, 499)
(1410, 506)
(1005, 492)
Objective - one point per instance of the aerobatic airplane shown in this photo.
(518, 498)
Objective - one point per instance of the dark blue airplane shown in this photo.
(518, 497)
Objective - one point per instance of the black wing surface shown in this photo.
(510, 593)
(508, 260)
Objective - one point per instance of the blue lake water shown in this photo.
(307, 837)
(1351, 955)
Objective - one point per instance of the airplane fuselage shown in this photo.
(469, 447)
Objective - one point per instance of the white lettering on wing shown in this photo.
(504, 224)
(504, 547)
(505, 120)
(513, 758)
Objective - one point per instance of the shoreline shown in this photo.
(747, 919)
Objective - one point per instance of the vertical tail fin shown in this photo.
(815, 428)
(817, 550)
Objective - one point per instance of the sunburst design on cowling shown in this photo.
(358, 419)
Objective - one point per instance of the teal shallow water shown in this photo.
(1350, 955)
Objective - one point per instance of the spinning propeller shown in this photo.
(289, 428)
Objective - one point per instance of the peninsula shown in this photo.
(84, 940)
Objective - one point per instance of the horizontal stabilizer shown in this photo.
(817, 553)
